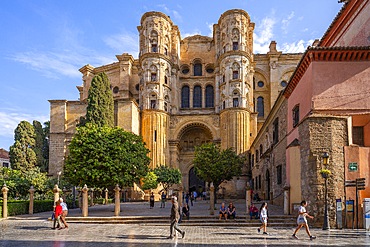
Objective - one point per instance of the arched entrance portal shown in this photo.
(192, 135)
(195, 183)
(268, 184)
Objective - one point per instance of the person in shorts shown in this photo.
(263, 218)
(302, 220)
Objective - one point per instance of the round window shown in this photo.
(185, 71)
(115, 90)
(283, 83)
(260, 84)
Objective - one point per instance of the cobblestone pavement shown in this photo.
(35, 230)
(19, 232)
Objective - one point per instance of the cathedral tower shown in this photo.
(234, 48)
(159, 48)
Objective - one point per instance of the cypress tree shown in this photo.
(22, 155)
(100, 106)
(39, 144)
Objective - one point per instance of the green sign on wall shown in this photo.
(352, 167)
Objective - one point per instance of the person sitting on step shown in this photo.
(231, 211)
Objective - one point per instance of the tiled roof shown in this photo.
(4, 154)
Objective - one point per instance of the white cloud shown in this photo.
(124, 43)
(49, 64)
(285, 22)
(171, 13)
(210, 26)
(195, 32)
(296, 47)
(9, 120)
(263, 35)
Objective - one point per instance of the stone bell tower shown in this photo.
(234, 49)
(159, 49)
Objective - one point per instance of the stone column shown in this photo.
(85, 202)
(5, 201)
(56, 191)
(212, 200)
(92, 197)
(32, 192)
(106, 196)
(286, 200)
(180, 196)
(247, 200)
(117, 203)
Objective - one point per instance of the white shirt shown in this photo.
(302, 211)
(64, 206)
(264, 213)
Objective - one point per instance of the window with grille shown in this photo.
(185, 97)
(260, 107)
(198, 69)
(197, 97)
(209, 96)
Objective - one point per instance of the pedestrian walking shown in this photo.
(175, 216)
(64, 212)
(163, 200)
(151, 201)
(302, 221)
(263, 218)
(57, 216)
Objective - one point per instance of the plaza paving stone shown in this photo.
(35, 230)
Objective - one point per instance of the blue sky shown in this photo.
(45, 42)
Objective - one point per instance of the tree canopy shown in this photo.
(167, 176)
(150, 181)
(105, 156)
(100, 104)
(22, 155)
(215, 165)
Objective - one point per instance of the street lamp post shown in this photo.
(326, 225)
(59, 173)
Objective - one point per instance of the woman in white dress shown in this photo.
(302, 221)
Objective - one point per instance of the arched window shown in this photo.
(209, 96)
(235, 69)
(185, 97)
(197, 97)
(197, 69)
(154, 41)
(260, 107)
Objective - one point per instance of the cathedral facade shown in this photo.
(181, 93)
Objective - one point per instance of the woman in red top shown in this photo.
(58, 213)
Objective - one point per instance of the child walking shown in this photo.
(302, 221)
(263, 218)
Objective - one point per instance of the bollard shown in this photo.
(5, 201)
(248, 201)
(286, 200)
(32, 192)
(212, 200)
(92, 197)
(180, 197)
(106, 196)
(85, 202)
(117, 205)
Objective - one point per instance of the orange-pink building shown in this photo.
(328, 111)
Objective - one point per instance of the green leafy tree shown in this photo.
(19, 182)
(39, 145)
(100, 106)
(22, 155)
(215, 165)
(150, 181)
(104, 156)
(167, 176)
